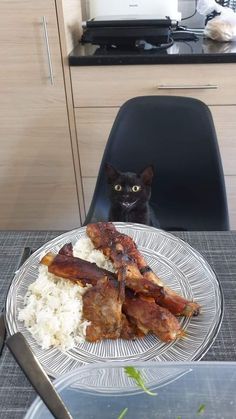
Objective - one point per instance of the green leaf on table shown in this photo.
(201, 409)
(136, 375)
(123, 413)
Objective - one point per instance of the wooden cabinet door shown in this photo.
(37, 182)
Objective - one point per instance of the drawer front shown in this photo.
(113, 85)
(94, 125)
(230, 182)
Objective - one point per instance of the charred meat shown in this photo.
(122, 250)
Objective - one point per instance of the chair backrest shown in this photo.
(177, 136)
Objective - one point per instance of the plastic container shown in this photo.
(183, 390)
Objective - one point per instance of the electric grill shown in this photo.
(113, 24)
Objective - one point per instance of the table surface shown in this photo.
(218, 248)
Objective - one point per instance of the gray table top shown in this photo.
(218, 248)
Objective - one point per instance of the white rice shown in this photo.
(53, 306)
(85, 249)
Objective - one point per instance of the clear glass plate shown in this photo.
(202, 389)
(179, 265)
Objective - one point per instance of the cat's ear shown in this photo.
(111, 173)
(147, 175)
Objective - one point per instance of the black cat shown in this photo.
(129, 195)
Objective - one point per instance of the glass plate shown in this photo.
(197, 390)
(178, 264)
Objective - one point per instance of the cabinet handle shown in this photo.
(186, 86)
(48, 50)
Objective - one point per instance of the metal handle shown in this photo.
(186, 86)
(48, 50)
(28, 362)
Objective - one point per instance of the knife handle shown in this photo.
(36, 375)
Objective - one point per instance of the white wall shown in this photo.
(187, 7)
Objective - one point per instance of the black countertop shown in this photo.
(187, 51)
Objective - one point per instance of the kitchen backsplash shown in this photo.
(187, 8)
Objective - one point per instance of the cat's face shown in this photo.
(128, 189)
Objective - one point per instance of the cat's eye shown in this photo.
(118, 188)
(136, 188)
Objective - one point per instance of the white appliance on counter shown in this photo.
(133, 24)
(133, 9)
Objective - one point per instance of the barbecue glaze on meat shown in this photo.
(127, 304)
(75, 269)
(150, 317)
(102, 306)
(122, 250)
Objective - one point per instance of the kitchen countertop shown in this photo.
(199, 51)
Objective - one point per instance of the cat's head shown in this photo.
(128, 189)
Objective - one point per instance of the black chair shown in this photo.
(177, 136)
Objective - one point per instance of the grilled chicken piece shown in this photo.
(102, 306)
(75, 269)
(121, 249)
(66, 250)
(177, 304)
(84, 272)
(174, 302)
(129, 329)
(106, 239)
(103, 303)
(150, 317)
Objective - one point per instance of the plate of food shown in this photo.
(111, 292)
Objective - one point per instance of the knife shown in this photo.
(2, 332)
(37, 376)
(27, 251)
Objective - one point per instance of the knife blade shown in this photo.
(2, 332)
(37, 376)
(27, 251)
